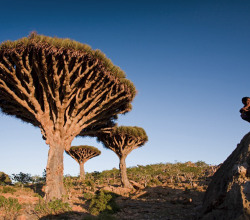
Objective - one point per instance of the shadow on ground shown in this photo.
(161, 203)
(66, 216)
(151, 203)
(37, 188)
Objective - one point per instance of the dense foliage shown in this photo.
(87, 147)
(22, 178)
(61, 45)
(4, 179)
(103, 202)
(125, 133)
(51, 208)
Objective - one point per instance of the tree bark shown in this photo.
(82, 172)
(54, 188)
(123, 173)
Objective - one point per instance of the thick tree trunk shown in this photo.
(82, 172)
(54, 173)
(123, 173)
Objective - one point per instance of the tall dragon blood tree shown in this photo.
(63, 87)
(81, 154)
(122, 140)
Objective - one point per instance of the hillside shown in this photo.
(162, 191)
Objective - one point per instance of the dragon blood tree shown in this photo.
(63, 87)
(122, 140)
(82, 154)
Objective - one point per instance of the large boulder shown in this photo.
(228, 194)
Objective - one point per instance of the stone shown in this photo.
(77, 208)
(228, 194)
(118, 190)
(22, 217)
(136, 185)
(195, 185)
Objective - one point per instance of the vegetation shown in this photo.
(4, 179)
(175, 183)
(103, 202)
(82, 154)
(64, 44)
(22, 178)
(157, 174)
(53, 207)
(122, 140)
(10, 207)
(66, 89)
(7, 189)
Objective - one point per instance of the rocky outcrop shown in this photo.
(228, 194)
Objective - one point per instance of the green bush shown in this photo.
(88, 195)
(154, 182)
(201, 163)
(90, 184)
(68, 182)
(103, 202)
(9, 206)
(4, 179)
(22, 178)
(7, 189)
(51, 208)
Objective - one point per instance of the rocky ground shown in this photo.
(173, 200)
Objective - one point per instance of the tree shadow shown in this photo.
(78, 216)
(65, 216)
(160, 202)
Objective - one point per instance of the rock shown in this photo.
(140, 194)
(22, 217)
(228, 194)
(136, 185)
(182, 179)
(43, 188)
(195, 185)
(118, 190)
(77, 208)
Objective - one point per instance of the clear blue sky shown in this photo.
(189, 60)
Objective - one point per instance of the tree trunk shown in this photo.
(123, 173)
(82, 172)
(54, 173)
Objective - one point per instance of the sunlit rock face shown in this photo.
(228, 194)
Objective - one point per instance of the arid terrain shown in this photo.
(162, 191)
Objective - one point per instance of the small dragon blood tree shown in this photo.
(122, 140)
(63, 87)
(82, 154)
